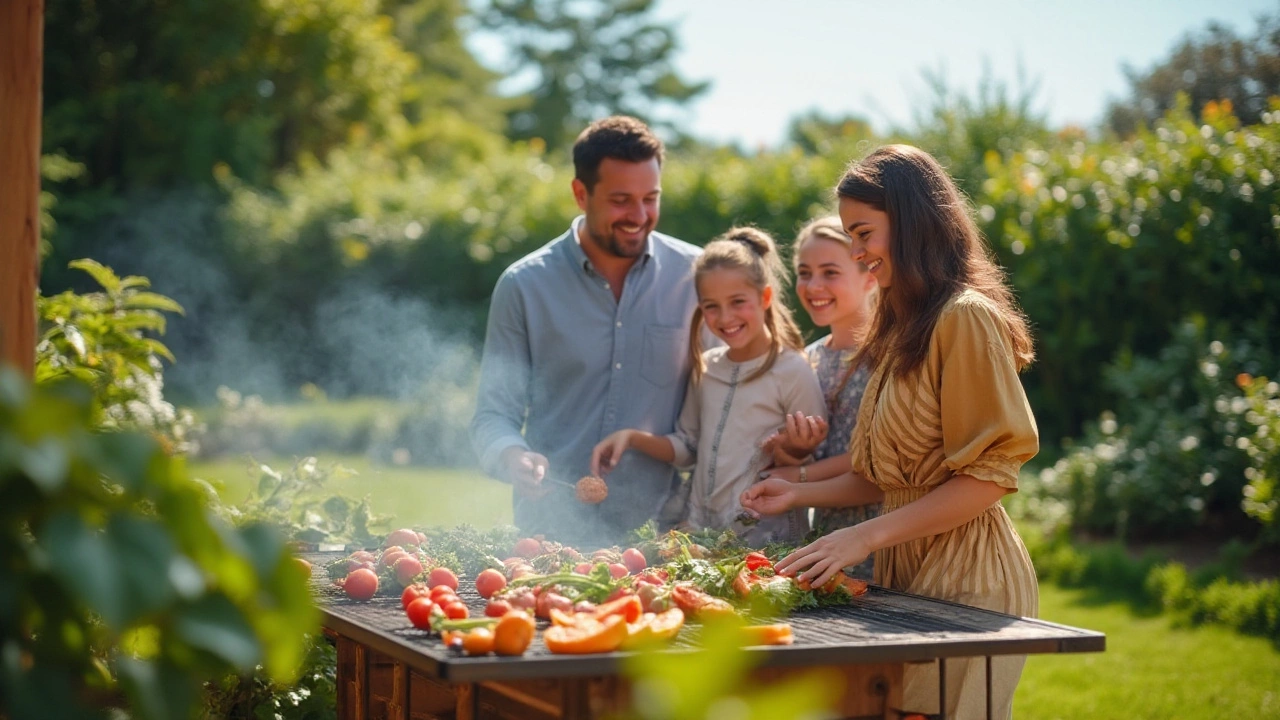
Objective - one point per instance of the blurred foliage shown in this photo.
(101, 338)
(716, 682)
(119, 588)
(1211, 66)
(1110, 246)
(145, 93)
(294, 502)
(1192, 447)
(256, 697)
(583, 60)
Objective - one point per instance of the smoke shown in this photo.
(241, 334)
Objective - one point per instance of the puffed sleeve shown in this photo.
(988, 430)
(799, 386)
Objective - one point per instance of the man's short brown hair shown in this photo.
(619, 137)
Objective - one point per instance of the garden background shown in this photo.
(322, 194)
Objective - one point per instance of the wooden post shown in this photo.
(21, 60)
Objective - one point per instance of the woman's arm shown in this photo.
(776, 495)
(826, 469)
(950, 505)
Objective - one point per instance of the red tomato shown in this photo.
(360, 584)
(527, 548)
(442, 576)
(419, 612)
(413, 592)
(618, 570)
(582, 568)
(634, 560)
(402, 537)
(497, 608)
(524, 601)
(406, 569)
(390, 557)
(456, 611)
(649, 577)
(438, 590)
(756, 560)
(489, 582)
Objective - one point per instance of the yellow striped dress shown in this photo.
(963, 412)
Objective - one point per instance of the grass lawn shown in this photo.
(1150, 669)
(413, 496)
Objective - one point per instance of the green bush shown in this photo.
(119, 588)
(1186, 450)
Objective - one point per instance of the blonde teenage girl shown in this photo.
(738, 394)
(944, 426)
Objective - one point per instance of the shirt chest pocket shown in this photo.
(662, 356)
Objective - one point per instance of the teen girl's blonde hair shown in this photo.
(752, 252)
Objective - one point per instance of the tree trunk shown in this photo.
(21, 59)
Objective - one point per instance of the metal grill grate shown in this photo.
(880, 626)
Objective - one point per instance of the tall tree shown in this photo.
(149, 92)
(1214, 65)
(586, 59)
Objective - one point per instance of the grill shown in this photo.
(882, 626)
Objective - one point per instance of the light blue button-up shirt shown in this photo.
(567, 363)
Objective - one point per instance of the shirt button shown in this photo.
(619, 323)
(606, 286)
(617, 366)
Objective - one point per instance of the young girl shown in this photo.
(944, 426)
(738, 394)
(838, 293)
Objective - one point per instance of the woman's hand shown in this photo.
(768, 497)
(608, 452)
(820, 560)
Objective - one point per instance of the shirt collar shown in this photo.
(580, 256)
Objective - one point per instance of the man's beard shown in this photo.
(615, 247)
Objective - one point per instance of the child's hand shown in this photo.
(608, 452)
(804, 433)
(768, 497)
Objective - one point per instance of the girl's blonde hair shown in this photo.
(830, 228)
(753, 253)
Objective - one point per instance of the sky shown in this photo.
(770, 60)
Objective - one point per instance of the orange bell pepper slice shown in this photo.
(587, 636)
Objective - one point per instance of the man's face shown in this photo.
(622, 209)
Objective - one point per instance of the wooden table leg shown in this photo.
(353, 680)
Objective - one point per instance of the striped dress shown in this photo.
(963, 412)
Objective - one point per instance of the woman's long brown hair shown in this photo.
(936, 252)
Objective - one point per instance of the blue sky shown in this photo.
(769, 60)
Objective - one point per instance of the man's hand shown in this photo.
(525, 471)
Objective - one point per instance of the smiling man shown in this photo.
(587, 335)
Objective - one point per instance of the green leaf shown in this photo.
(265, 547)
(81, 559)
(158, 690)
(153, 301)
(145, 552)
(46, 463)
(217, 626)
(103, 274)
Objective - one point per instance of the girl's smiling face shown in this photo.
(734, 310)
(832, 286)
(869, 229)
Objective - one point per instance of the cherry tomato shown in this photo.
(634, 560)
(442, 576)
(618, 570)
(456, 611)
(489, 582)
(420, 612)
(497, 608)
(413, 592)
(361, 584)
(527, 548)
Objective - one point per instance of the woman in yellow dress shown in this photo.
(944, 425)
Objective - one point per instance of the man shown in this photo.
(588, 335)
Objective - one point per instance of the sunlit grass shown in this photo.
(1149, 670)
(413, 496)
